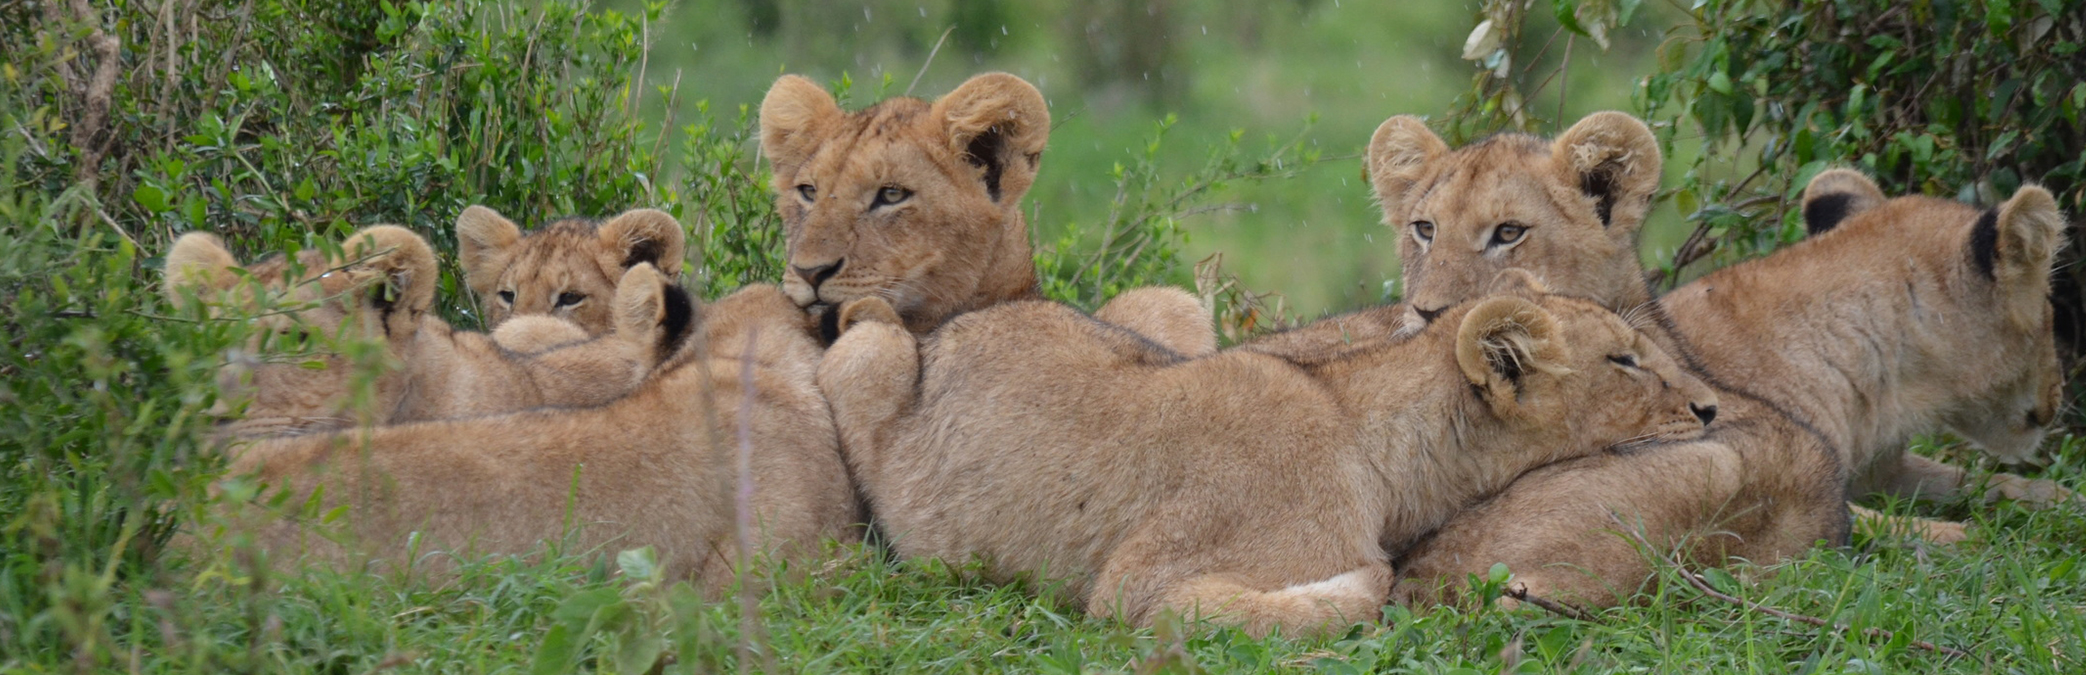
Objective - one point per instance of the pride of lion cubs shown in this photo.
(1530, 403)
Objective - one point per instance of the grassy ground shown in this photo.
(2014, 598)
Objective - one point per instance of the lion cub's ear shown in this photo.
(642, 236)
(1399, 150)
(1501, 342)
(1835, 195)
(198, 262)
(400, 271)
(997, 122)
(2015, 246)
(485, 243)
(1614, 159)
(651, 308)
(793, 120)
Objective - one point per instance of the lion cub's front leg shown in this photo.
(1918, 476)
(869, 377)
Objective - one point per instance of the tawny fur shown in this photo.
(953, 241)
(964, 163)
(567, 269)
(648, 469)
(1238, 487)
(1769, 480)
(383, 292)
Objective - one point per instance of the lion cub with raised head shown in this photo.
(917, 203)
(383, 291)
(567, 269)
(1239, 486)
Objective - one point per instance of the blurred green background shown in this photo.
(1325, 71)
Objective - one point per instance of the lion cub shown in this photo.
(1239, 486)
(568, 269)
(298, 377)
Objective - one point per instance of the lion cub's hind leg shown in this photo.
(1151, 572)
(1166, 315)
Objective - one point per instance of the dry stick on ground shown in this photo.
(1567, 611)
(1703, 586)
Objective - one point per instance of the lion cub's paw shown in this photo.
(867, 309)
(2036, 492)
(537, 333)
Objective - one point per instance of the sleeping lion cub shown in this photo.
(298, 378)
(1239, 486)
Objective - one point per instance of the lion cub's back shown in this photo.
(1042, 432)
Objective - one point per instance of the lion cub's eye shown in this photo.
(809, 192)
(570, 299)
(506, 297)
(1424, 230)
(891, 194)
(1624, 360)
(1508, 233)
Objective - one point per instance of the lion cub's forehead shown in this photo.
(878, 143)
(1496, 180)
(557, 257)
(1591, 324)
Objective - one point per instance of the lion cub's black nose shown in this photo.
(1427, 315)
(1704, 412)
(818, 274)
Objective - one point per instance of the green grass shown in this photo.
(103, 386)
(2014, 597)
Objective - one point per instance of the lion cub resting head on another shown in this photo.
(917, 203)
(1238, 486)
(298, 375)
(568, 269)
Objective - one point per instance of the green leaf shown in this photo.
(554, 655)
(1498, 574)
(1720, 83)
(638, 564)
(150, 197)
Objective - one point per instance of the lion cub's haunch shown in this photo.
(567, 269)
(653, 468)
(917, 203)
(297, 376)
(1237, 486)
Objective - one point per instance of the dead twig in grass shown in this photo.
(1521, 593)
(1703, 586)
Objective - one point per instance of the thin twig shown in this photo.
(1561, 609)
(930, 60)
(1702, 585)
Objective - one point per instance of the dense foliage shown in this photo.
(1966, 99)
